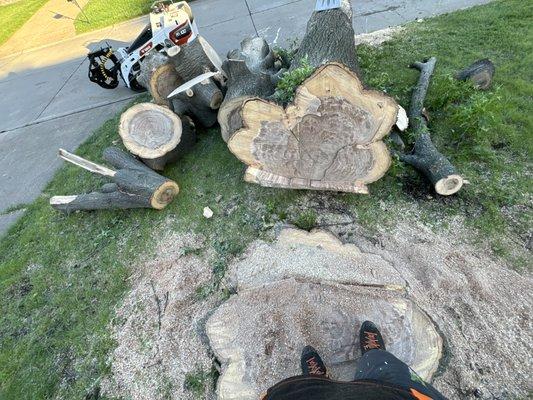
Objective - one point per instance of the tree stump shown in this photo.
(251, 72)
(134, 185)
(330, 138)
(155, 134)
(425, 157)
(159, 76)
(281, 305)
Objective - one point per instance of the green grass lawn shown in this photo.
(13, 16)
(102, 13)
(61, 276)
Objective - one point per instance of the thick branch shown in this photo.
(425, 157)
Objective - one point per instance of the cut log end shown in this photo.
(449, 185)
(330, 138)
(149, 130)
(164, 195)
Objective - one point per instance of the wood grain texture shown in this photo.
(149, 130)
(159, 76)
(328, 139)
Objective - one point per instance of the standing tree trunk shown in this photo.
(134, 185)
(156, 134)
(159, 76)
(329, 37)
(425, 157)
(252, 71)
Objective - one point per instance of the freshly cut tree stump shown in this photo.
(202, 101)
(425, 157)
(329, 37)
(155, 134)
(281, 305)
(159, 76)
(134, 185)
(480, 73)
(251, 71)
(330, 138)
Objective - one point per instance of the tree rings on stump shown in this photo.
(449, 185)
(149, 130)
(330, 138)
(164, 195)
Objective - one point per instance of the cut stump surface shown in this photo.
(330, 138)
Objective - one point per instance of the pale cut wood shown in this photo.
(330, 138)
(86, 164)
(149, 130)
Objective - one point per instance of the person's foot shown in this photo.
(370, 337)
(311, 362)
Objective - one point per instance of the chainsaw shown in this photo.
(171, 26)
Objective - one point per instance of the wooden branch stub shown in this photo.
(330, 138)
(480, 73)
(425, 157)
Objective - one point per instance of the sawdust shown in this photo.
(480, 306)
(377, 38)
(159, 326)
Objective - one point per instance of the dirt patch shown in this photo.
(159, 327)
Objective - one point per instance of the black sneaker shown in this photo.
(311, 362)
(370, 337)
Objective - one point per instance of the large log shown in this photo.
(330, 138)
(329, 37)
(425, 157)
(193, 60)
(159, 76)
(251, 71)
(134, 185)
(155, 134)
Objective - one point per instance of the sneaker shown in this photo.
(370, 337)
(311, 362)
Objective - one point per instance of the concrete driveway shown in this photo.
(48, 102)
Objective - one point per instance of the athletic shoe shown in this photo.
(370, 337)
(311, 362)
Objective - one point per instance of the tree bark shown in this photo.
(159, 76)
(330, 138)
(329, 37)
(194, 59)
(251, 71)
(155, 134)
(425, 157)
(480, 73)
(134, 185)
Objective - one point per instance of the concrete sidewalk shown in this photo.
(49, 102)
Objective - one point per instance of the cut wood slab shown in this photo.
(156, 134)
(330, 138)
